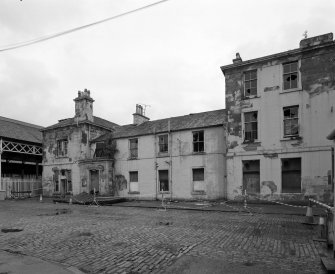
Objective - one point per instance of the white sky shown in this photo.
(167, 56)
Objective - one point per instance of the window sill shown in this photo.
(291, 138)
(198, 153)
(251, 97)
(163, 154)
(132, 158)
(133, 192)
(290, 90)
(164, 192)
(198, 192)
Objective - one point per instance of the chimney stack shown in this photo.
(238, 59)
(84, 106)
(139, 117)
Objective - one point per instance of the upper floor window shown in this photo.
(99, 150)
(250, 83)
(198, 141)
(163, 143)
(291, 121)
(62, 147)
(250, 126)
(290, 75)
(133, 148)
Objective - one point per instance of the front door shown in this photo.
(94, 183)
(251, 178)
(63, 188)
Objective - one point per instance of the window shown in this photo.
(250, 126)
(56, 181)
(291, 126)
(133, 181)
(163, 176)
(163, 143)
(290, 75)
(251, 176)
(198, 176)
(198, 141)
(133, 145)
(69, 180)
(291, 175)
(62, 147)
(100, 150)
(250, 83)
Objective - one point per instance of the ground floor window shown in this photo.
(163, 176)
(251, 177)
(133, 181)
(198, 177)
(291, 175)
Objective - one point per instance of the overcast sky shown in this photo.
(167, 56)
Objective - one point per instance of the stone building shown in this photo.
(279, 110)
(66, 148)
(179, 157)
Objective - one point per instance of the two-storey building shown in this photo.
(279, 110)
(179, 157)
(66, 147)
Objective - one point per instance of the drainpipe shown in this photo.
(170, 146)
(156, 166)
(0, 162)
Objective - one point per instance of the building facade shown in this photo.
(67, 147)
(177, 158)
(279, 110)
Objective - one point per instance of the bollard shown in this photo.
(245, 199)
(41, 199)
(70, 201)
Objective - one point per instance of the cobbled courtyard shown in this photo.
(113, 239)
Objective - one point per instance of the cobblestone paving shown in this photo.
(139, 240)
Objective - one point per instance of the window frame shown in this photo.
(250, 140)
(132, 150)
(160, 171)
(163, 144)
(291, 119)
(290, 73)
(133, 184)
(197, 143)
(247, 74)
(62, 149)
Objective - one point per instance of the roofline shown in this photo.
(166, 131)
(276, 56)
(20, 122)
(80, 122)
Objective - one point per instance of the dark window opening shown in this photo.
(250, 126)
(251, 176)
(163, 176)
(291, 175)
(133, 176)
(62, 147)
(198, 141)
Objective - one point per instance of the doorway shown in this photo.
(94, 181)
(251, 177)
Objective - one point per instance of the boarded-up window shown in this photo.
(251, 176)
(133, 181)
(198, 175)
(291, 121)
(290, 75)
(133, 147)
(250, 83)
(250, 126)
(198, 141)
(291, 175)
(163, 176)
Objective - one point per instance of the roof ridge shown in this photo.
(20, 122)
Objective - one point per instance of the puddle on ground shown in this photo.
(164, 223)
(8, 230)
(58, 212)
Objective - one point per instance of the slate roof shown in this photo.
(186, 122)
(71, 121)
(21, 131)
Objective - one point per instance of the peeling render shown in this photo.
(315, 97)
